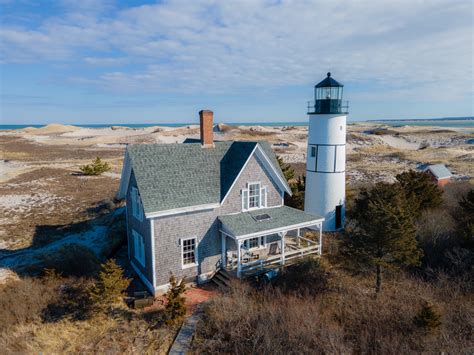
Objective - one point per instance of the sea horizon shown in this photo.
(454, 122)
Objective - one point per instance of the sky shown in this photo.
(107, 61)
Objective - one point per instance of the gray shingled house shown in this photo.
(201, 206)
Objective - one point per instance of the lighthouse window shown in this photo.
(313, 152)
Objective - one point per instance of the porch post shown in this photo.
(239, 265)
(298, 236)
(282, 234)
(223, 245)
(320, 238)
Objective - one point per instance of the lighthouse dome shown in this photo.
(329, 82)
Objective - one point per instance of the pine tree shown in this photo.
(298, 190)
(288, 171)
(421, 192)
(175, 308)
(96, 168)
(110, 285)
(384, 234)
(427, 318)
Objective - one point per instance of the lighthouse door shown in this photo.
(338, 216)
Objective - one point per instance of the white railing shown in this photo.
(276, 259)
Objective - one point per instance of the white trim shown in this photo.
(174, 211)
(153, 252)
(258, 193)
(316, 222)
(187, 266)
(238, 175)
(125, 178)
(143, 278)
(271, 167)
(244, 195)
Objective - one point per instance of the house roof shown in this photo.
(440, 171)
(246, 223)
(177, 176)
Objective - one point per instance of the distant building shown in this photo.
(439, 173)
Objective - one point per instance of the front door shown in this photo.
(338, 216)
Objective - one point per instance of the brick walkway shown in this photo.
(194, 298)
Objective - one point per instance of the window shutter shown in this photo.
(245, 199)
(263, 197)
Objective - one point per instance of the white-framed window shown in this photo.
(137, 207)
(254, 196)
(254, 243)
(188, 252)
(138, 247)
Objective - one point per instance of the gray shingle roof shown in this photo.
(440, 171)
(244, 223)
(173, 176)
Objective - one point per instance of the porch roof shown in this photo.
(246, 224)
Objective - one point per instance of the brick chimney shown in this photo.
(206, 125)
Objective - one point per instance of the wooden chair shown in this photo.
(274, 248)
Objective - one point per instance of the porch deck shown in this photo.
(257, 240)
(261, 260)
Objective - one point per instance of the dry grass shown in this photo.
(345, 319)
(49, 315)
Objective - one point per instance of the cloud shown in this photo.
(413, 49)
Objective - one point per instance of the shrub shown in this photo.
(175, 308)
(421, 192)
(110, 286)
(427, 318)
(23, 300)
(73, 302)
(307, 276)
(71, 260)
(96, 168)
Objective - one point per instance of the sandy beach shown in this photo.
(41, 188)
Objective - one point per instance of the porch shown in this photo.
(260, 240)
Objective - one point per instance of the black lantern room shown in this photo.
(328, 97)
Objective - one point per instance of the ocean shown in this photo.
(468, 123)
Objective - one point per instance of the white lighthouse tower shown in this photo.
(325, 193)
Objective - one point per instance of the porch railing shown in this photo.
(313, 248)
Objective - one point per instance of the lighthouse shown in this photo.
(325, 192)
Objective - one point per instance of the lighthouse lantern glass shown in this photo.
(329, 93)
